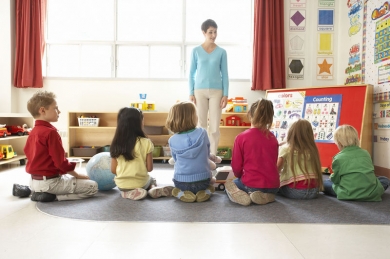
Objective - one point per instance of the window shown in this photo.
(143, 38)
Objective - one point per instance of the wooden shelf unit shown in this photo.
(17, 142)
(103, 134)
(229, 133)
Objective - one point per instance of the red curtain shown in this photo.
(268, 46)
(30, 43)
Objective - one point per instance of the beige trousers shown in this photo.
(209, 112)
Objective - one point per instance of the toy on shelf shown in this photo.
(88, 121)
(4, 132)
(7, 151)
(237, 104)
(143, 104)
(16, 130)
(26, 129)
(233, 121)
(224, 152)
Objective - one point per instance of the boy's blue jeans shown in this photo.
(193, 187)
(329, 190)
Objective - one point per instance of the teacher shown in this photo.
(209, 82)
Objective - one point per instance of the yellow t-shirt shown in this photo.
(133, 174)
(286, 176)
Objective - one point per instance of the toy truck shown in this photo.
(223, 174)
(4, 132)
(16, 130)
(7, 151)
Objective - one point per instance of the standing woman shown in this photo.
(209, 82)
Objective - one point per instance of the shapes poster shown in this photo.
(325, 68)
(297, 20)
(288, 107)
(296, 44)
(295, 68)
(297, 3)
(323, 112)
(325, 44)
(325, 19)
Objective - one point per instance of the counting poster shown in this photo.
(323, 112)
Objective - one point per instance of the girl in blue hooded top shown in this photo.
(190, 148)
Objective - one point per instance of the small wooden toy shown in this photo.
(237, 104)
(233, 121)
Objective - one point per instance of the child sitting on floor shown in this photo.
(353, 175)
(190, 148)
(255, 154)
(52, 176)
(299, 163)
(132, 159)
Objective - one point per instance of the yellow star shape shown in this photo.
(325, 67)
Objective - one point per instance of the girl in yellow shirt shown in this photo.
(132, 159)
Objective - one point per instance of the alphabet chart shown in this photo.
(323, 112)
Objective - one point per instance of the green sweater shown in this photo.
(353, 176)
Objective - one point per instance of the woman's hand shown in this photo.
(192, 99)
(223, 102)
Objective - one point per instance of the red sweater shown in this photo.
(254, 159)
(44, 151)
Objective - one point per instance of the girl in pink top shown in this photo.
(255, 154)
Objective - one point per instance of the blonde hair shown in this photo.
(182, 117)
(261, 114)
(300, 139)
(38, 100)
(345, 136)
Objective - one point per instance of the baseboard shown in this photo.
(381, 171)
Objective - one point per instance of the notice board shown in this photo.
(326, 107)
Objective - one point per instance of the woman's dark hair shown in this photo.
(207, 24)
(128, 130)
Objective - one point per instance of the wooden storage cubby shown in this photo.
(229, 133)
(17, 142)
(103, 134)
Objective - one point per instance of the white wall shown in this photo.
(110, 95)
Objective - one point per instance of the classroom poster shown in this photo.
(297, 20)
(288, 108)
(325, 20)
(297, 3)
(323, 112)
(325, 44)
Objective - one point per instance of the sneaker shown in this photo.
(157, 192)
(202, 196)
(185, 196)
(136, 194)
(259, 197)
(236, 195)
(43, 197)
(21, 191)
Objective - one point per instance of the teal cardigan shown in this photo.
(353, 176)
